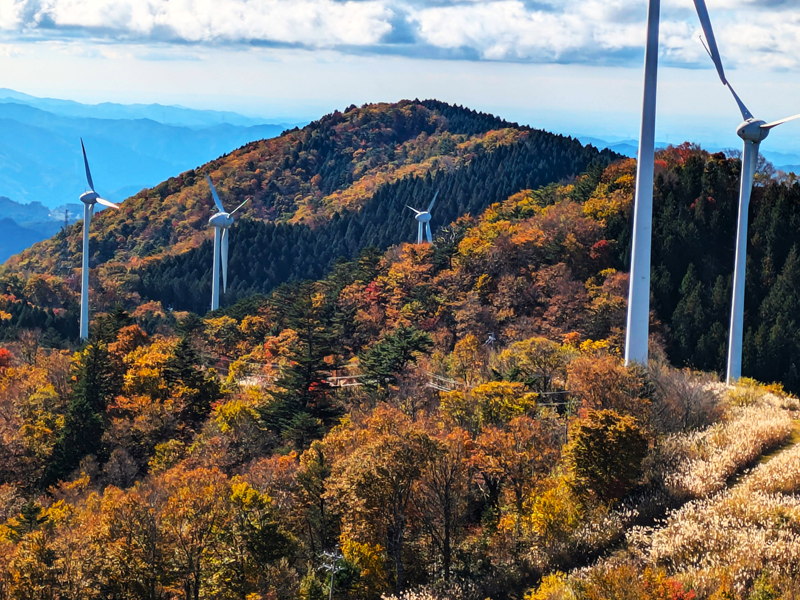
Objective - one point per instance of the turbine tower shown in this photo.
(89, 199)
(752, 131)
(424, 221)
(221, 222)
(637, 331)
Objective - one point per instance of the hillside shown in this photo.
(369, 414)
(325, 192)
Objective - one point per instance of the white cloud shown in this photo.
(762, 33)
(313, 23)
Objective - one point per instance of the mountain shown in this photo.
(25, 224)
(168, 115)
(14, 237)
(782, 161)
(131, 146)
(318, 194)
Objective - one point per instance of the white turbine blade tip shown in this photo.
(86, 166)
(214, 195)
(107, 203)
(240, 206)
(781, 122)
(430, 206)
(713, 50)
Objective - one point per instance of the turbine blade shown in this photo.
(428, 232)
(708, 30)
(86, 164)
(430, 206)
(781, 122)
(414, 209)
(224, 252)
(214, 195)
(745, 113)
(240, 206)
(107, 203)
(91, 212)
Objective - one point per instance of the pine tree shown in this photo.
(84, 423)
(302, 386)
(200, 388)
(388, 357)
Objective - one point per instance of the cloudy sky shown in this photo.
(567, 65)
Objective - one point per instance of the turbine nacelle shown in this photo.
(89, 197)
(221, 220)
(423, 217)
(753, 130)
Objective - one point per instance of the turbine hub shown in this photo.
(223, 220)
(424, 217)
(89, 197)
(752, 131)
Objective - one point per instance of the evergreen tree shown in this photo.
(302, 387)
(388, 357)
(94, 385)
(689, 316)
(200, 388)
(108, 326)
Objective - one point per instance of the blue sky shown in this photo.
(567, 65)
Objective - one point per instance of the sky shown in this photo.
(571, 66)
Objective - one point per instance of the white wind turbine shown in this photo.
(753, 132)
(89, 199)
(221, 222)
(424, 221)
(637, 330)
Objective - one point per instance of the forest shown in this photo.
(369, 418)
(446, 420)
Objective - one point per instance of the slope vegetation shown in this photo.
(320, 193)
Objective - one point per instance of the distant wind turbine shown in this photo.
(221, 222)
(424, 221)
(89, 199)
(637, 331)
(752, 132)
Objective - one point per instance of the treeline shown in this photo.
(694, 232)
(264, 255)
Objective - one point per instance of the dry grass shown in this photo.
(734, 535)
(701, 463)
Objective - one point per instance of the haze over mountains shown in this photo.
(784, 161)
(131, 147)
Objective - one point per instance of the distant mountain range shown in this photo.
(168, 115)
(131, 147)
(788, 162)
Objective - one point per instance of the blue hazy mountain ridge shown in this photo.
(25, 224)
(169, 115)
(784, 161)
(40, 157)
(131, 147)
(14, 237)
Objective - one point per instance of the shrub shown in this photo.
(683, 400)
(603, 382)
(606, 454)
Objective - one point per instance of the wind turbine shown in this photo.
(424, 221)
(638, 323)
(89, 199)
(752, 131)
(221, 222)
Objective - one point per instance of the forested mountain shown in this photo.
(317, 194)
